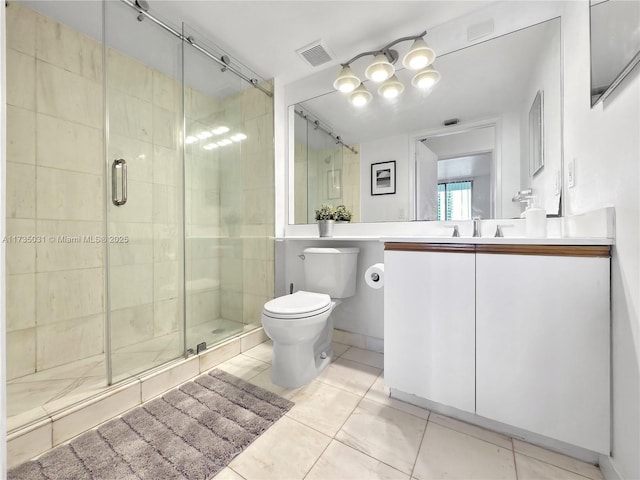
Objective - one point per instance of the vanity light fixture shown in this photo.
(360, 96)
(419, 55)
(347, 81)
(391, 88)
(381, 70)
(426, 78)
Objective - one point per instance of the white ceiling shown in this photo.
(264, 35)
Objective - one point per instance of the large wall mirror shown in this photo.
(615, 44)
(476, 164)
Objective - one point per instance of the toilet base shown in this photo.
(295, 365)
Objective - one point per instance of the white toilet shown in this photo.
(300, 324)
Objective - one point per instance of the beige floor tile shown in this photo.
(339, 349)
(532, 469)
(387, 434)
(380, 394)
(352, 376)
(557, 459)
(342, 462)
(227, 474)
(261, 352)
(323, 407)
(448, 454)
(263, 380)
(243, 367)
(368, 357)
(471, 430)
(287, 450)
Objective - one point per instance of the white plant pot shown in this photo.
(325, 227)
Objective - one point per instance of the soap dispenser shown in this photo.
(535, 219)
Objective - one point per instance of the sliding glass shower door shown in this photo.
(144, 192)
(229, 194)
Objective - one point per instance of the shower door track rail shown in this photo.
(191, 41)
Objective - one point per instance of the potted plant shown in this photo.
(325, 216)
(343, 214)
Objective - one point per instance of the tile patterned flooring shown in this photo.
(345, 426)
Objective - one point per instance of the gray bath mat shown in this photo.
(191, 432)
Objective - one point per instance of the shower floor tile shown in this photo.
(36, 396)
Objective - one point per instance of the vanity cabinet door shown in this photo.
(429, 332)
(542, 326)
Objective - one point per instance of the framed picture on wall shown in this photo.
(383, 178)
(536, 138)
(334, 184)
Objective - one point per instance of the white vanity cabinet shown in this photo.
(429, 327)
(542, 345)
(517, 334)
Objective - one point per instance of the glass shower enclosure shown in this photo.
(142, 169)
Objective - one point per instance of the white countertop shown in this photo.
(465, 240)
(503, 240)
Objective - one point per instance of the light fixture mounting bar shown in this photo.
(384, 49)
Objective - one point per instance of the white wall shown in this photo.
(605, 143)
(383, 208)
(362, 313)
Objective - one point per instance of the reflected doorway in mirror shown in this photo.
(383, 178)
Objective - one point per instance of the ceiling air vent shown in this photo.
(315, 53)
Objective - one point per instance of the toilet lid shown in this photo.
(300, 303)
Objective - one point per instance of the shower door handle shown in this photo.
(118, 164)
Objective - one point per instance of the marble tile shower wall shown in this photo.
(55, 300)
(55, 176)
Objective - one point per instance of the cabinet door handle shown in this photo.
(119, 164)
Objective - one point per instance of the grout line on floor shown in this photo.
(424, 434)
(243, 478)
(513, 453)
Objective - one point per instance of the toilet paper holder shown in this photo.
(374, 276)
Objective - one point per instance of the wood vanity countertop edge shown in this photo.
(503, 249)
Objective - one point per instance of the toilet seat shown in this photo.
(298, 305)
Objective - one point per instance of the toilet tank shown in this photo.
(331, 271)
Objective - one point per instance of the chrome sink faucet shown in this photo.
(476, 227)
(456, 232)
